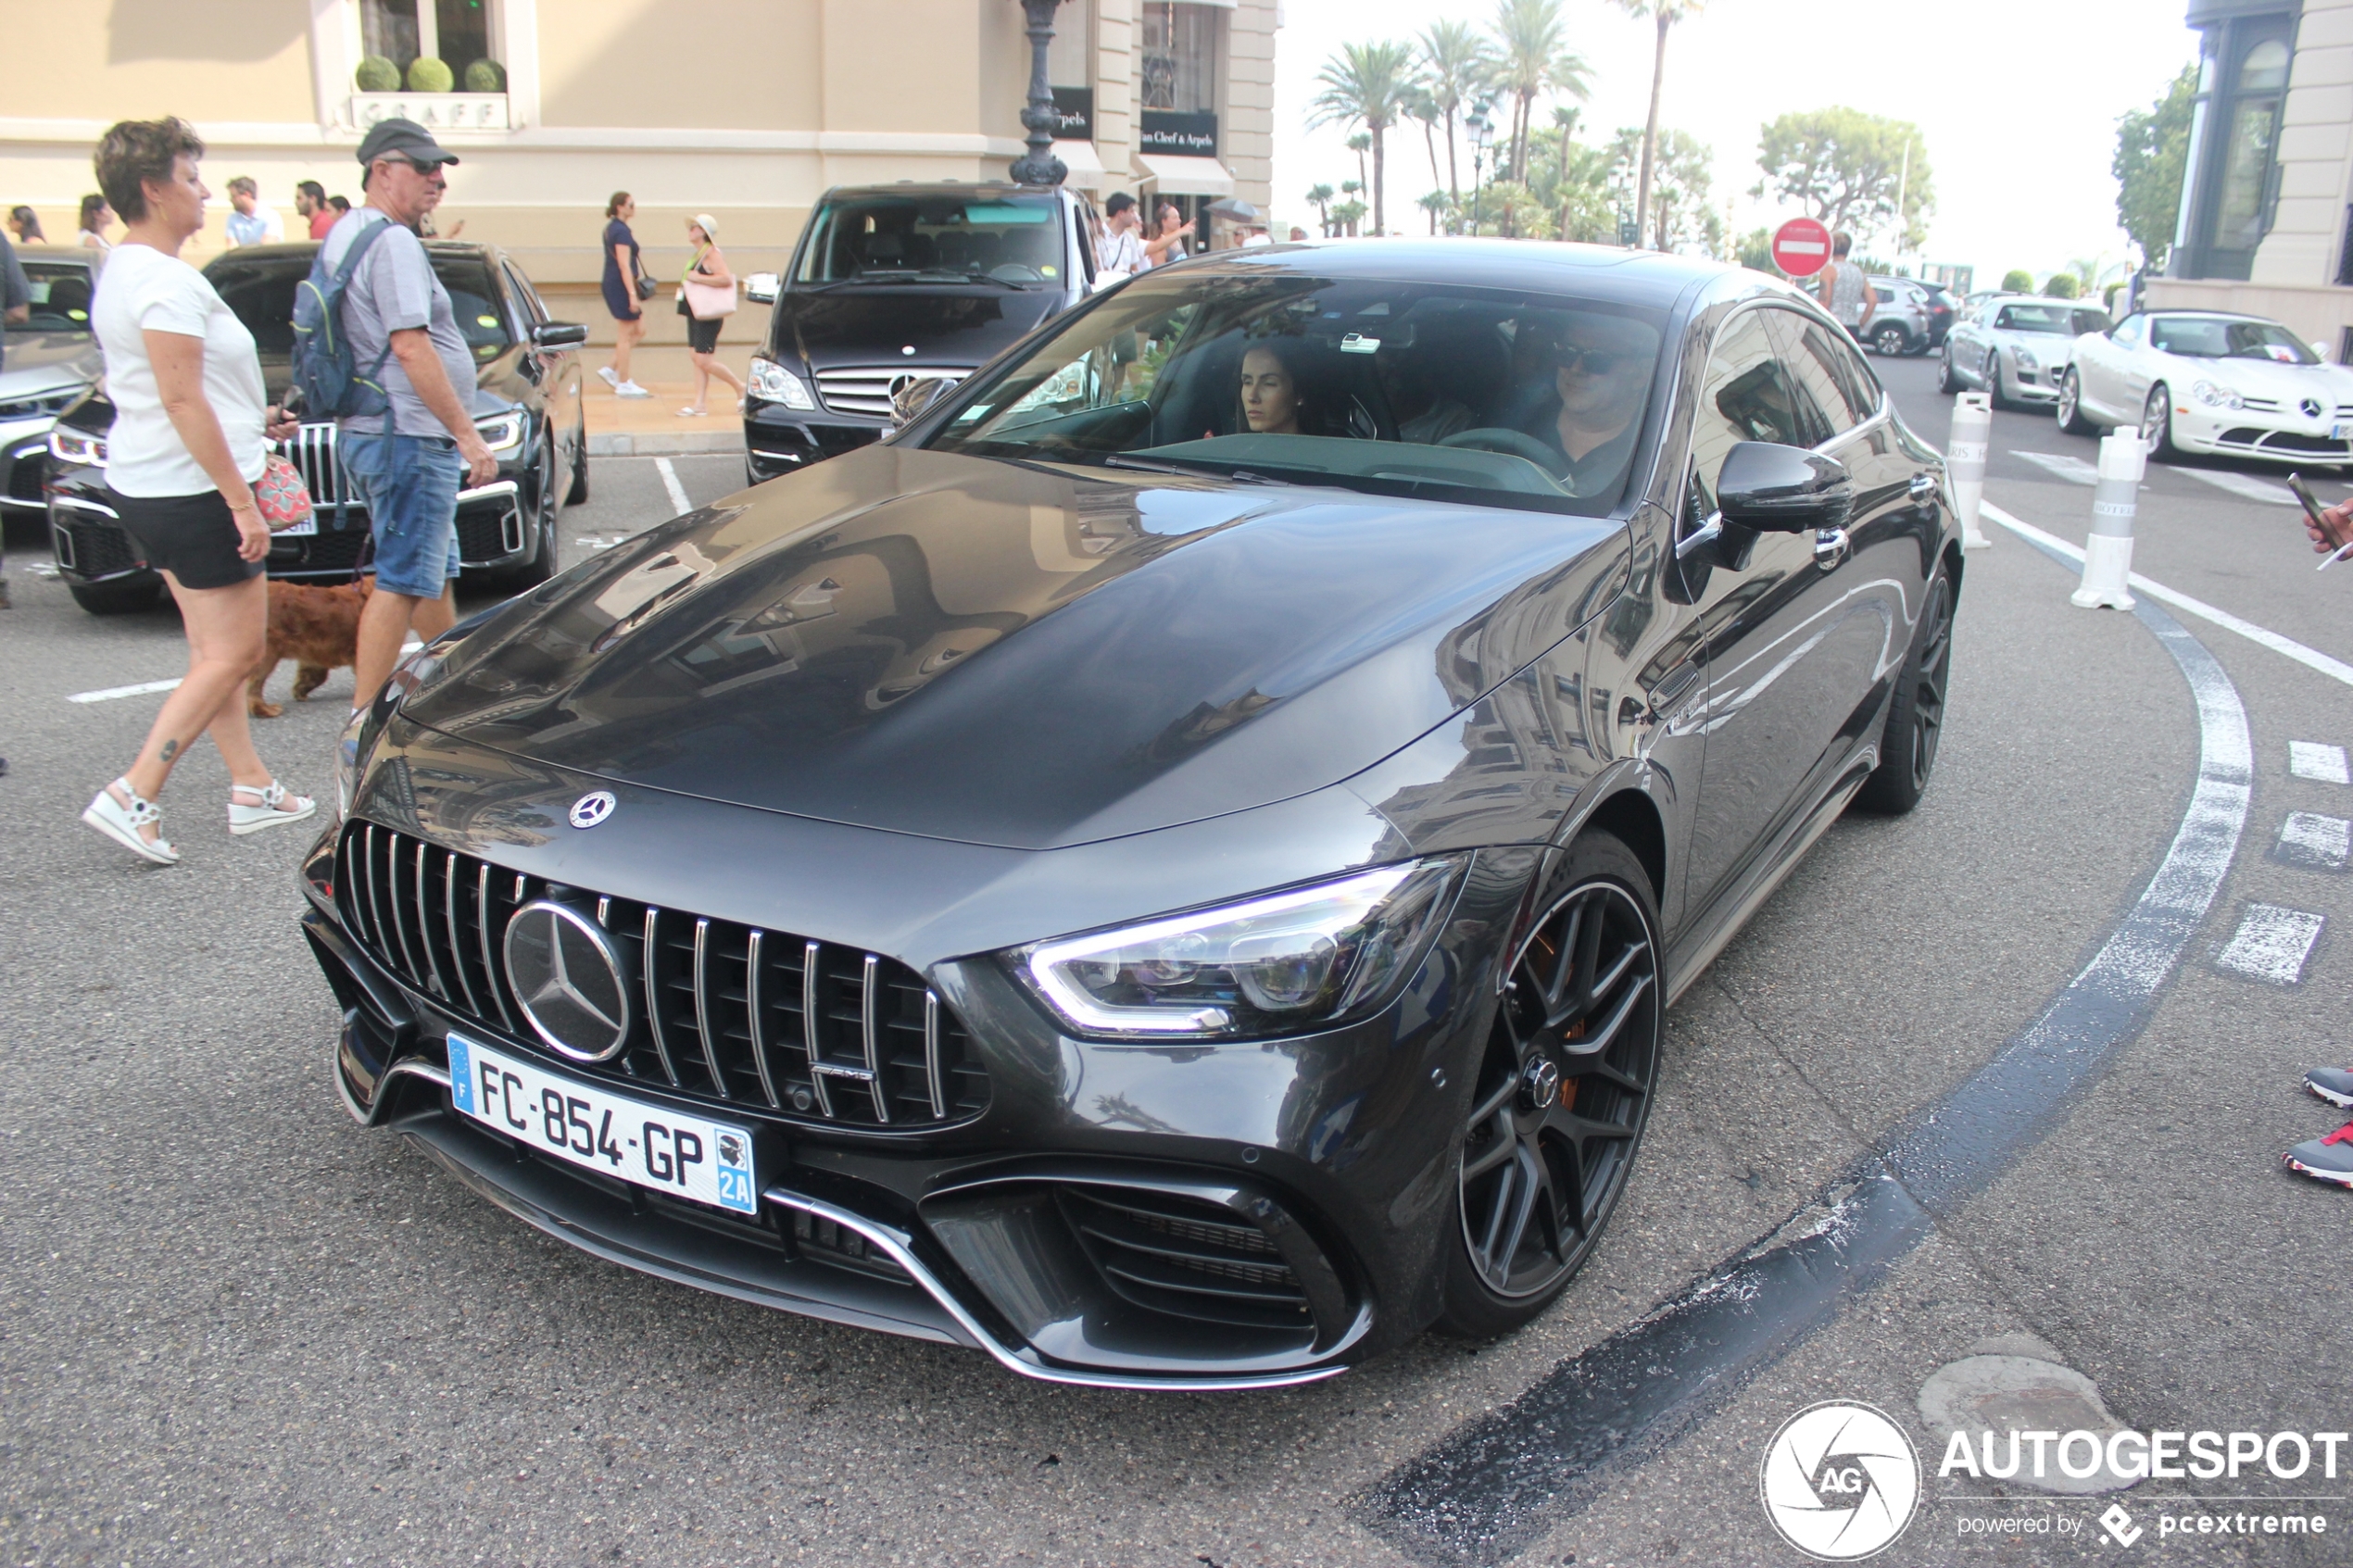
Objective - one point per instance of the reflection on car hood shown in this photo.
(2287, 385)
(38, 361)
(1003, 654)
(878, 323)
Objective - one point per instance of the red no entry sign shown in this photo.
(1801, 248)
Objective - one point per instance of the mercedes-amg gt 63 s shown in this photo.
(1168, 869)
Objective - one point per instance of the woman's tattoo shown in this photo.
(170, 749)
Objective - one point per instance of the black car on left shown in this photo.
(526, 405)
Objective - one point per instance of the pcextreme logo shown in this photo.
(1840, 1481)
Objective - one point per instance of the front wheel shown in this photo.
(1891, 338)
(2070, 405)
(1562, 1092)
(1915, 717)
(578, 495)
(2157, 424)
(1945, 380)
(116, 599)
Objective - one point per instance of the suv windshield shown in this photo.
(60, 297)
(1488, 396)
(2217, 337)
(261, 293)
(1013, 239)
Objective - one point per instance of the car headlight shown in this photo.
(2026, 361)
(76, 446)
(2216, 396)
(773, 381)
(1273, 964)
(501, 432)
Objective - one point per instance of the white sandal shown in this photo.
(272, 810)
(122, 823)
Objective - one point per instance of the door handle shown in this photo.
(1924, 486)
(1831, 545)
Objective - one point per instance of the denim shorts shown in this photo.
(410, 483)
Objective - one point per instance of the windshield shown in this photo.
(261, 293)
(1483, 395)
(2218, 337)
(60, 297)
(1013, 239)
(2062, 320)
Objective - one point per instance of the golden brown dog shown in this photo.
(319, 627)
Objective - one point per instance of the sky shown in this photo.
(2017, 101)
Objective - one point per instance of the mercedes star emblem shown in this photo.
(2311, 406)
(569, 978)
(592, 809)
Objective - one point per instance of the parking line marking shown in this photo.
(2314, 760)
(669, 481)
(2272, 944)
(2287, 647)
(2075, 470)
(2307, 838)
(110, 693)
(2245, 485)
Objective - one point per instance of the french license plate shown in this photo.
(2339, 432)
(651, 1145)
(308, 528)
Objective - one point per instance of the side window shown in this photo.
(1746, 395)
(526, 297)
(2128, 331)
(1818, 374)
(1083, 214)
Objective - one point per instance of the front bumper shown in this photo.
(2038, 385)
(24, 449)
(2278, 437)
(778, 440)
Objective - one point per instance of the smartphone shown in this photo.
(2313, 511)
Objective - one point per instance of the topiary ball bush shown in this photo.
(2018, 280)
(486, 76)
(377, 74)
(2063, 285)
(429, 75)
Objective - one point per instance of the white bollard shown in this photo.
(2108, 553)
(1965, 461)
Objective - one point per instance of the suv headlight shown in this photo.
(773, 381)
(501, 432)
(2215, 396)
(76, 446)
(1274, 964)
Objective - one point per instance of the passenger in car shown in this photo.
(1601, 375)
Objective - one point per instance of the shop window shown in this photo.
(1181, 56)
(1070, 57)
(2240, 212)
(457, 32)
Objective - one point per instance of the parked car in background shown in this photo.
(2016, 348)
(1899, 323)
(2207, 382)
(1943, 309)
(52, 359)
(895, 285)
(527, 407)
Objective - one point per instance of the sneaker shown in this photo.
(630, 389)
(2333, 1084)
(2328, 1160)
(606, 371)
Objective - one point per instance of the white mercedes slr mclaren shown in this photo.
(2206, 382)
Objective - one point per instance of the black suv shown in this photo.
(896, 284)
(526, 405)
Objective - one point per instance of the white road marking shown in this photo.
(2075, 470)
(2307, 838)
(2287, 647)
(2245, 485)
(669, 481)
(2272, 944)
(110, 693)
(2312, 760)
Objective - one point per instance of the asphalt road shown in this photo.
(234, 1329)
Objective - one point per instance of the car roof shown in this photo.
(942, 188)
(301, 251)
(2215, 314)
(1635, 277)
(48, 252)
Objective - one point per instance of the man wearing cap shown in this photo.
(410, 461)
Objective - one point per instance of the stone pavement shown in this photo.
(650, 426)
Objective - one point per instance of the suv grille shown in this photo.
(866, 389)
(728, 1012)
(312, 451)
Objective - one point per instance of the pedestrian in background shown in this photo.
(252, 223)
(706, 297)
(1169, 233)
(191, 431)
(624, 298)
(310, 203)
(410, 459)
(1122, 252)
(1846, 292)
(15, 293)
(25, 224)
(342, 204)
(96, 219)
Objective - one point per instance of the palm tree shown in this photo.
(1535, 57)
(1320, 198)
(1358, 144)
(1455, 61)
(1664, 14)
(1434, 204)
(1366, 84)
(1423, 106)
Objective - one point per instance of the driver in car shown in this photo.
(1601, 369)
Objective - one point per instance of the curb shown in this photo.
(627, 444)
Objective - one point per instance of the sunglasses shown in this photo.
(422, 165)
(1592, 361)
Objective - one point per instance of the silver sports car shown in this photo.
(2016, 347)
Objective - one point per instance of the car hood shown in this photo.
(905, 324)
(1006, 654)
(2051, 348)
(36, 361)
(2286, 385)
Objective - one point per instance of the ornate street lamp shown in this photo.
(1482, 132)
(1039, 166)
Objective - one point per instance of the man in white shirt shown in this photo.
(252, 223)
(1123, 251)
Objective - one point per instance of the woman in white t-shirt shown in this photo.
(190, 437)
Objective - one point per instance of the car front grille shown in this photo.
(24, 478)
(312, 452)
(866, 389)
(723, 1012)
(1185, 1257)
(485, 536)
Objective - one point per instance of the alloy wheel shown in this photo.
(1564, 1091)
(1931, 669)
(2157, 417)
(2067, 400)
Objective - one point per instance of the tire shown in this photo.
(1946, 382)
(1916, 716)
(1536, 1180)
(1991, 371)
(578, 495)
(116, 599)
(1890, 340)
(2070, 405)
(2157, 424)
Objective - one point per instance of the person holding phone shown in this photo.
(2327, 1159)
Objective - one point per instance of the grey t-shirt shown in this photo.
(14, 289)
(394, 289)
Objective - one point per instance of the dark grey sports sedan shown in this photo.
(1169, 870)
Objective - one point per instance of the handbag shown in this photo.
(281, 495)
(704, 302)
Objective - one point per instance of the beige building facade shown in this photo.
(745, 109)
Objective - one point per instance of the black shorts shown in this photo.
(192, 537)
(703, 337)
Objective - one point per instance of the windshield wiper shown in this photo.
(948, 275)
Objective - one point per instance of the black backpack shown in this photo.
(331, 382)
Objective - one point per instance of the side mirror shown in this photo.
(559, 335)
(1780, 489)
(920, 393)
(761, 288)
